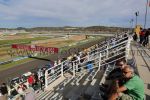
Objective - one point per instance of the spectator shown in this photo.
(30, 95)
(132, 89)
(90, 66)
(117, 72)
(36, 81)
(146, 37)
(0, 92)
(31, 80)
(36, 78)
(23, 86)
(4, 92)
(42, 82)
(21, 90)
(42, 78)
(142, 33)
(1, 96)
(135, 37)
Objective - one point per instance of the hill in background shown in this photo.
(68, 29)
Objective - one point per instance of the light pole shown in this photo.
(145, 15)
(136, 14)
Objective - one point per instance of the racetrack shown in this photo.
(17, 71)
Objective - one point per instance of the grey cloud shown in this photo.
(81, 11)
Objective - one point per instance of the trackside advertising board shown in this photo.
(35, 48)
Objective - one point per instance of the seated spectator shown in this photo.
(1, 96)
(21, 90)
(117, 72)
(89, 66)
(115, 75)
(4, 91)
(13, 93)
(132, 89)
(29, 94)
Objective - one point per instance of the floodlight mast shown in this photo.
(136, 15)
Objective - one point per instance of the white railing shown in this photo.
(98, 56)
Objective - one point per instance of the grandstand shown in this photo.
(80, 77)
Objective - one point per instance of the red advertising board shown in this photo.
(35, 48)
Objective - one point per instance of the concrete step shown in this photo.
(41, 95)
(143, 69)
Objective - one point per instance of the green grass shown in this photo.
(80, 43)
(27, 40)
(2, 49)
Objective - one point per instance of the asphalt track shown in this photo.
(16, 71)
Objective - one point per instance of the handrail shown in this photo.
(114, 41)
(118, 47)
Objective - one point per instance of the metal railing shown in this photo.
(98, 58)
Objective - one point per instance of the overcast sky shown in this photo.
(33, 13)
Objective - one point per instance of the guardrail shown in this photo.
(6, 62)
(12, 60)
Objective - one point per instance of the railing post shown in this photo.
(55, 63)
(62, 73)
(74, 73)
(76, 66)
(107, 53)
(100, 55)
(88, 56)
(46, 78)
(127, 48)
